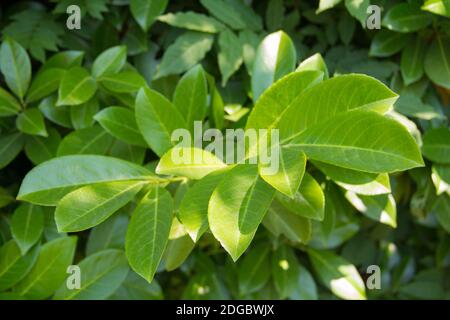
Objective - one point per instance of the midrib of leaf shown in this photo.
(46, 85)
(116, 80)
(411, 17)
(16, 71)
(392, 39)
(199, 166)
(28, 119)
(8, 266)
(110, 64)
(27, 224)
(335, 273)
(307, 202)
(8, 109)
(43, 145)
(283, 222)
(147, 179)
(81, 83)
(441, 49)
(250, 193)
(256, 266)
(124, 124)
(40, 275)
(102, 203)
(87, 145)
(284, 172)
(11, 141)
(155, 224)
(300, 145)
(147, 8)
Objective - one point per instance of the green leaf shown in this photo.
(31, 121)
(440, 7)
(102, 274)
(10, 147)
(327, 4)
(5, 197)
(48, 182)
(436, 145)
(437, 61)
(49, 272)
(110, 234)
(123, 82)
(27, 224)
(127, 152)
(274, 15)
(252, 20)
(284, 271)
(178, 248)
(338, 95)
(254, 271)
(184, 53)
(121, 123)
(157, 118)
(440, 174)
(36, 31)
(411, 105)
(92, 140)
(338, 275)
(412, 61)
(15, 66)
(230, 54)
(76, 87)
(193, 210)
(14, 266)
(279, 97)
(356, 181)
(136, 288)
(441, 209)
(346, 28)
(236, 208)
(379, 208)
(82, 116)
(316, 63)
(146, 11)
(89, 206)
(63, 60)
(191, 96)
(95, 8)
(406, 17)
(45, 83)
(281, 221)
(308, 201)
(192, 163)
(192, 21)
(358, 9)
(9, 106)
(224, 11)
(275, 57)
(287, 179)
(387, 43)
(306, 288)
(58, 115)
(249, 42)
(109, 61)
(359, 140)
(148, 232)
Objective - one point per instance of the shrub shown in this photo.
(353, 120)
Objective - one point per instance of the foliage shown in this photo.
(86, 118)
